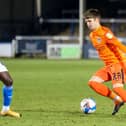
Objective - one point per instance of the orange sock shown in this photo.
(100, 88)
(104, 91)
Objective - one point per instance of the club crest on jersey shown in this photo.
(98, 39)
(109, 35)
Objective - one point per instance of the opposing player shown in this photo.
(110, 50)
(7, 92)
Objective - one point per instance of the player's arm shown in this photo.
(111, 39)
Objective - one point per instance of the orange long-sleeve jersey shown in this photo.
(109, 48)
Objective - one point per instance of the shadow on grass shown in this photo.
(74, 113)
(53, 111)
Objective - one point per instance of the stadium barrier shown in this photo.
(52, 47)
(7, 49)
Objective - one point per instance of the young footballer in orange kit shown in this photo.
(111, 52)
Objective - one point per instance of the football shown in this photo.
(88, 105)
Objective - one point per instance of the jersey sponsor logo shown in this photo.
(109, 35)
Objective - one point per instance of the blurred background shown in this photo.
(31, 25)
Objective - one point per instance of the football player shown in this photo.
(111, 52)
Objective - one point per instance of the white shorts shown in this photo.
(3, 68)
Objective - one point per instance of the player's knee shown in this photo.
(8, 82)
(91, 84)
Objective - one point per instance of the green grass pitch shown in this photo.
(48, 93)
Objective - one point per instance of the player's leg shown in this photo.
(96, 83)
(7, 92)
(118, 78)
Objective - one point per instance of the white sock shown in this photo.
(5, 108)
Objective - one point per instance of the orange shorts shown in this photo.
(114, 73)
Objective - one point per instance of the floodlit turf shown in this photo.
(48, 93)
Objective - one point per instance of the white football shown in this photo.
(88, 105)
